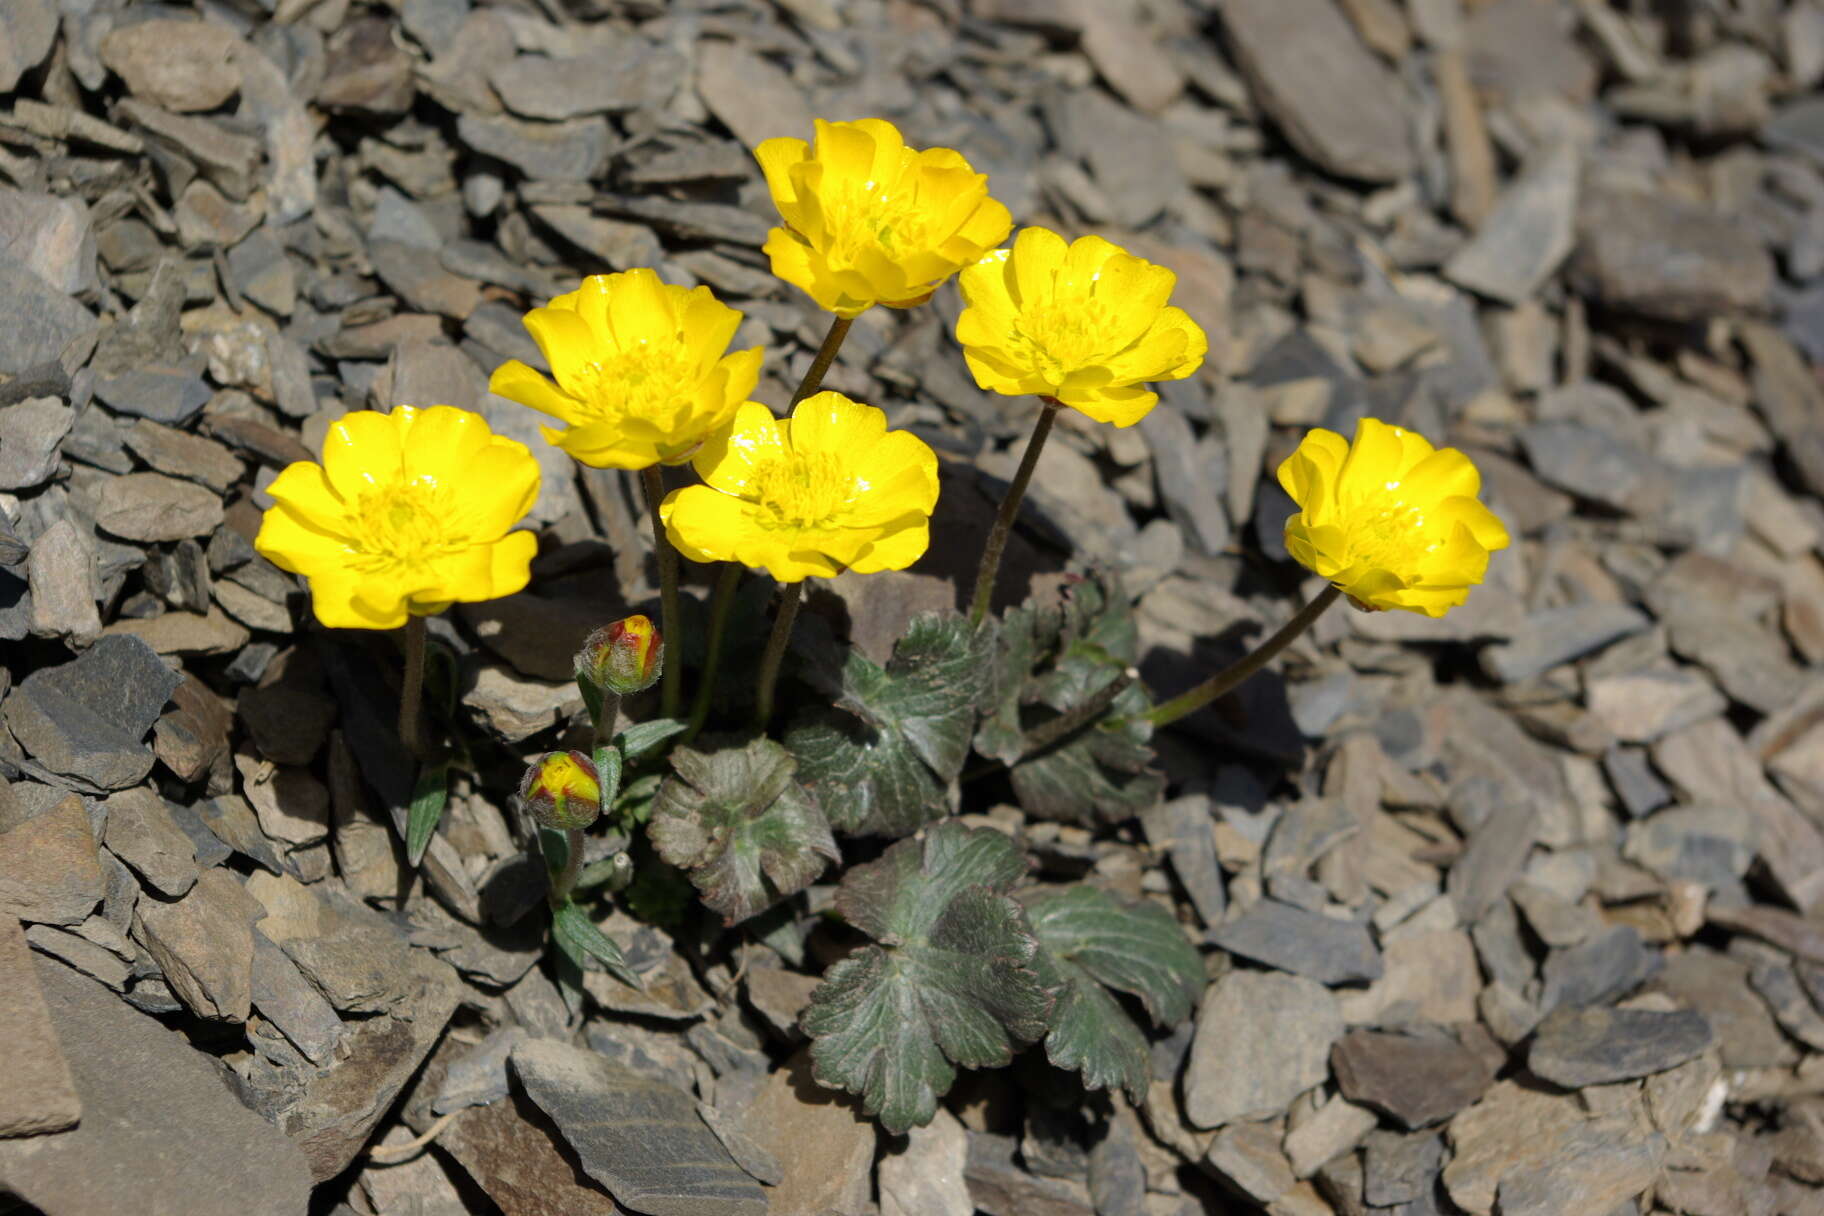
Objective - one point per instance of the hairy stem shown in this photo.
(565, 882)
(671, 691)
(990, 569)
(789, 595)
(1189, 702)
(719, 609)
(411, 688)
(826, 355)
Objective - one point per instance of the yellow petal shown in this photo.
(293, 541)
(302, 486)
(742, 372)
(776, 157)
(511, 563)
(1483, 524)
(361, 451)
(898, 467)
(730, 456)
(1374, 460)
(1120, 407)
(342, 599)
(515, 381)
(896, 548)
(601, 446)
(707, 525)
(847, 151)
(641, 310)
(566, 341)
(498, 486)
(1309, 474)
(830, 422)
(1038, 253)
(440, 443)
(791, 261)
(1446, 473)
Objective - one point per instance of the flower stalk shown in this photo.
(789, 596)
(671, 692)
(990, 569)
(1167, 712)
(720, 608)
(564, 881)
(411, 686)
(826, 355)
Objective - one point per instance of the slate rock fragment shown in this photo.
(40, 1095)
(204, 944)
(1579, 1047)
(87, 719)
(1415, 1080)
(640, 1139)
(38, 323)
(1319, 947)
(1262, 1039)
(141, 832)
(50, 872)
(1659, 256)
(30, 434)
(160, 1131)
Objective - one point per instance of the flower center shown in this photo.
(407, 524)
(645, 383)
(1060, 336)
(1385, 532)
(876, 216)
(801, 491)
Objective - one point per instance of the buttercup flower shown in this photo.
(408, 512)
(1390, 520)
(640, 369)
(871, 221)
(827, 490)
(562, 791)
(1085, 323)
(623, 658)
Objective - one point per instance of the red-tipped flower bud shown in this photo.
(562, 791)
(623, 658)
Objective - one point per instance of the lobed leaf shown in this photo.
(1049, 660)
(951, 983)
(736, 820)
(1091, 942)
(890, 773)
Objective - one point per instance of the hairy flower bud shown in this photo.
(623, 658)
(562, 791)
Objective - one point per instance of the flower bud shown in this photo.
(562, 791)
(623, 658)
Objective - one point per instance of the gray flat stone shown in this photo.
(168, 393)
(640, 1139)
(1262, 1039)
(1579, 1047)
(49, 870)
(38, 323)
(629, 74)
(1417, 1081)
(141, 832)
(1609, 965)
(39, 1095)
(287, 1000)
(154, 507)
(160, 1132)
(570, 151)
(1310, 944)
(1400, 1167)
(1529, 233)
(1558, 635)
(204, 944)
(1310, 72)
(1181, 827)
(1655, 254)
(62, 577)
(30, 434)
(86, 719)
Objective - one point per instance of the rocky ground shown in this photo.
(1511, 912)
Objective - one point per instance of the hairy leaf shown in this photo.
(748, 834)
(890, 773)
(579, 939)
(1050, 659)
(429, 794)
(1090, 942)
(642, 738)
(951, 982)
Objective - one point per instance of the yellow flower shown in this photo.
(1390, 520)
(871, 221)
(827, 490)
(640, 372)
(408, 512)
(1085, 323)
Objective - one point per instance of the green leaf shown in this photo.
(1051, 658)
(429, 794)
(950, 983)
(642, 738)
(890, 773)
(579, 939)
(1091, 942)
(748, 834)
(634, 805)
